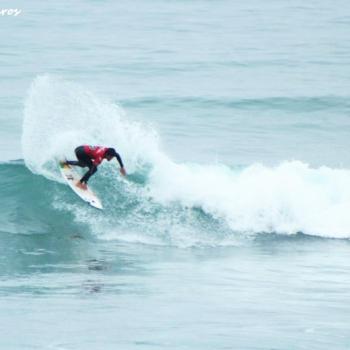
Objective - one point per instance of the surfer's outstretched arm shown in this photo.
(119, 159)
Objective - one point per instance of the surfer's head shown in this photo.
(110, 153)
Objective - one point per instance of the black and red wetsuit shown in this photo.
(91, 157)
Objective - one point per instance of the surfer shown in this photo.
(91, 157)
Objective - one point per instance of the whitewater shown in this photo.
(288, 198)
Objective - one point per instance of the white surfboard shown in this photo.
(72, 178)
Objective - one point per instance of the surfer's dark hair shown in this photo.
(111, 152)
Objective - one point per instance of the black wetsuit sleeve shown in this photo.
(119, 160)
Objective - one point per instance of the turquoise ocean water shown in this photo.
(232, 229)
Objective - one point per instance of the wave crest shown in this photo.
(289, 198)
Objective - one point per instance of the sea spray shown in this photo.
(176, 202)
(60, 115)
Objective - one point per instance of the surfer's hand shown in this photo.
(122, 171)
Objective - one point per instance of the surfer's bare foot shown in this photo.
(63, 164)
(81, 185)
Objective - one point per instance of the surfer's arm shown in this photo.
(119, 160)
(122, 169)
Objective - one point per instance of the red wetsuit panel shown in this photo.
(96, 153)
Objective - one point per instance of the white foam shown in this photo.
(60, 115)
(288, 198)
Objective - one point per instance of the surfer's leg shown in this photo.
(83, 158)
(84, 161)
(92, 170)
(77, 163)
